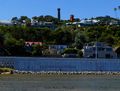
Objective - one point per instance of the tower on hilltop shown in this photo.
(59, 15)
(72, 18)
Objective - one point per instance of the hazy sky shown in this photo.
(80, 8)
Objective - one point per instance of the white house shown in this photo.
(99, 48)
(89, 21)
(83, 22)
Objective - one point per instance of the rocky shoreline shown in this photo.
(66, 73)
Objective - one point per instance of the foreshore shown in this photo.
(67, 73)
(62, 72)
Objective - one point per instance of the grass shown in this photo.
(5, 70)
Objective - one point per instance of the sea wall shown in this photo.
(60, 64)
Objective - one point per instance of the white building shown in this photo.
(99, 48)
(84, 22)
(89, 21)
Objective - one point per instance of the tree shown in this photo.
(25, 20)
(70, 51)
(1, 40)
(9, 40)
(37, 50)
(41, 18)
(80, 40)
(35, 18)
(49, 18)
(15, 20)
(80, 54)
(109, 40)
(63, 37)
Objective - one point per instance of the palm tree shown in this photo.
(115, 9)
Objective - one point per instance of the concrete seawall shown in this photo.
(60, 64)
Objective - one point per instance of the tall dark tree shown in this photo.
(15, 20)
(80, 40)
(62, 37)
(25, 20)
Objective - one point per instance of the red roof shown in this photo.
(33, 43)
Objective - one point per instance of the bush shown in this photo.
(70, 51)
(80, 54)
(5, 69)
(37, 50)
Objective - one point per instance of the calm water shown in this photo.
(59, 83)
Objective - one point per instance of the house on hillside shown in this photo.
(98, 50)
(114, 22)
(29, 43)
(89, 21)
(43, 24)
(84, 22)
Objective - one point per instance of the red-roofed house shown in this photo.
(33, 43)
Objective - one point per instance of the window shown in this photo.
(100, 49)
(94, 48)
(108, 49)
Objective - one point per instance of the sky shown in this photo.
(79, 8)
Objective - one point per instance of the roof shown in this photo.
(33, 43)
(89, 21)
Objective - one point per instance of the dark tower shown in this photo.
(59, 14)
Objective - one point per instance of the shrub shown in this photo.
(70, 51)
(80, 54)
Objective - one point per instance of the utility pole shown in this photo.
(96, 53)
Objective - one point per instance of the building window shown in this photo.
(100, 49)
(109, 49)
(94, 48)
(94, 55)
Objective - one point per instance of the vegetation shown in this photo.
(12, 38)
(2, 70)
(70, 51)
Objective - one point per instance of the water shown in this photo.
(59, 83)
(37, 64)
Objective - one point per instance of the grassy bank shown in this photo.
(5, 70)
